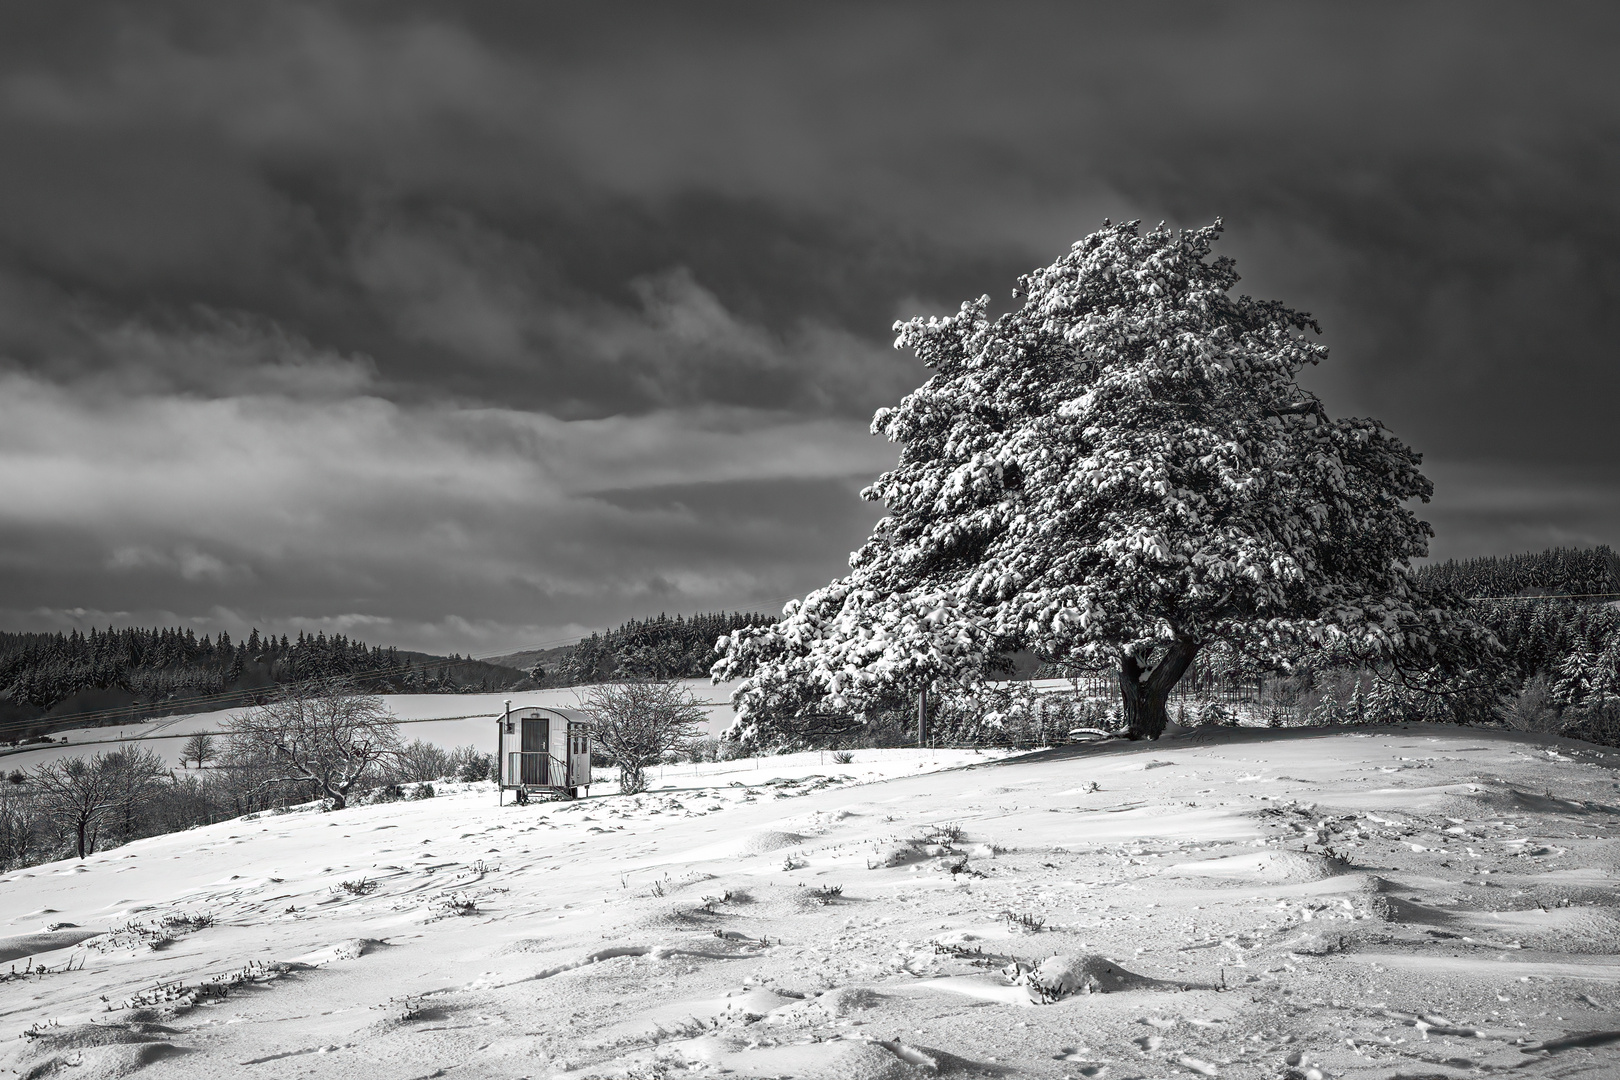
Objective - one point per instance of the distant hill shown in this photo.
(525, 660)
(665, 647)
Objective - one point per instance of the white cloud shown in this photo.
(421, 523)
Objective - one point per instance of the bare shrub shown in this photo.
(22, 832)
(704, 750)
(134, 776)
(469, 764)
(418, 760)
(78, 794)
(1531, 709)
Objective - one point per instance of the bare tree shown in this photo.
(134, 775)
(19, 825)
(76, 792)
(328, 737)
(198, 748)
(636, 722)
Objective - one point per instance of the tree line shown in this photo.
(1556, 571)
(659, 648)
(138, 670)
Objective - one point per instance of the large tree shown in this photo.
(1120, 471)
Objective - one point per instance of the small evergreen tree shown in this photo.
(1575, 678)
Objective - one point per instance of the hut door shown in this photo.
(536, 730)
(579, 756)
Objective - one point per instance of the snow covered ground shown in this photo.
(1417, 901)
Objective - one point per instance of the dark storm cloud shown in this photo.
(462, 325)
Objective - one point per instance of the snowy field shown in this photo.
(1423, 901)
(447, 720)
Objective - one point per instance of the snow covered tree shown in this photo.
(1383, 704)
(1606, 674)
(1575, 676)
(1357, 709)
(1120, 472)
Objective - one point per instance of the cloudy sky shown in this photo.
(473, 327)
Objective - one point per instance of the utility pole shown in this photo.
(922, 718)
(501, 727)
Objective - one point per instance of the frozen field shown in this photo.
(1370, 903)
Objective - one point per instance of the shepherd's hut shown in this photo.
(544, 752)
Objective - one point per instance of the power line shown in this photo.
(32, 747)
(225, 698)
(1553, 596)
(230, 698)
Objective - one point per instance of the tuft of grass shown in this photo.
(826, 894)
(187, 922)
(30, 971)
(405, 1009)
(214, 988)
(975, 956)
(795, 862)
(843, 757)
(1024, 921)
(360, 886)
(454, 905)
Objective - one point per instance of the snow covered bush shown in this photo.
(1121, 472)
(469, 764)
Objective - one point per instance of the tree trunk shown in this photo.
(632, 779)
(1145, 693)
(83, 825)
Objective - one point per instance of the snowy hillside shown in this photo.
(1414, 902)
